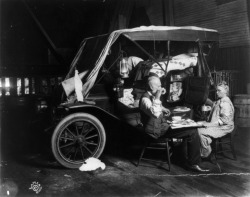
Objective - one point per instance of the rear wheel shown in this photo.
(76, 138)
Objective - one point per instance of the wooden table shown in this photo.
(185, 124)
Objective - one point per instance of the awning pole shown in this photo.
(140, 47)
(168, 57)
(108, 68)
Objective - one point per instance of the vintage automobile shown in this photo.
(107, 77)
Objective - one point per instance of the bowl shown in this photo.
(176, 118)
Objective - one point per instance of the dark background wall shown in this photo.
(66, 23)
(231, 19)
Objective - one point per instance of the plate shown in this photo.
(178, 121)
(181, 109)
(186, 123)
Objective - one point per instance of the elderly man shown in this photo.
(155, 125)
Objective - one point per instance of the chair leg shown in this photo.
(146, 146)
(141, 155)
(168, 155)
(216, 149)
(233, 150)
(214, 161)
(221, 147)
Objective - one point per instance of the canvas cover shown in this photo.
(93, 51)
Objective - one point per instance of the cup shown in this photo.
(163, 91)
(176, 118)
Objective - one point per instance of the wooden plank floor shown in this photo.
(122, 178)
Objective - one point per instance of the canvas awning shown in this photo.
(93, 51)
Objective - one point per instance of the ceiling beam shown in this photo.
(48, 40)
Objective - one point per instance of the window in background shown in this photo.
(0, 86)
(19, 86)
(26, 86)
(52, 83)
(7, 86)
(33, 89)
(45, 89)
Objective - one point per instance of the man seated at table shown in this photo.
(156, 126)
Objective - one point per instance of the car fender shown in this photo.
(100, 113)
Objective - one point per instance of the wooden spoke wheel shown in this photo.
(76, 138)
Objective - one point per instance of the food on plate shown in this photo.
(181, 109)
(183, 122)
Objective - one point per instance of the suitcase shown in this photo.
(196, 90)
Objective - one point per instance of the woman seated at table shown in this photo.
(220, 120)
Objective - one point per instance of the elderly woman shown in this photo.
(220, 120)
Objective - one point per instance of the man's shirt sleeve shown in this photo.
(152, 109)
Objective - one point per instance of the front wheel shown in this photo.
(76, 138)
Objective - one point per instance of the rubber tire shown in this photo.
(67, 121)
